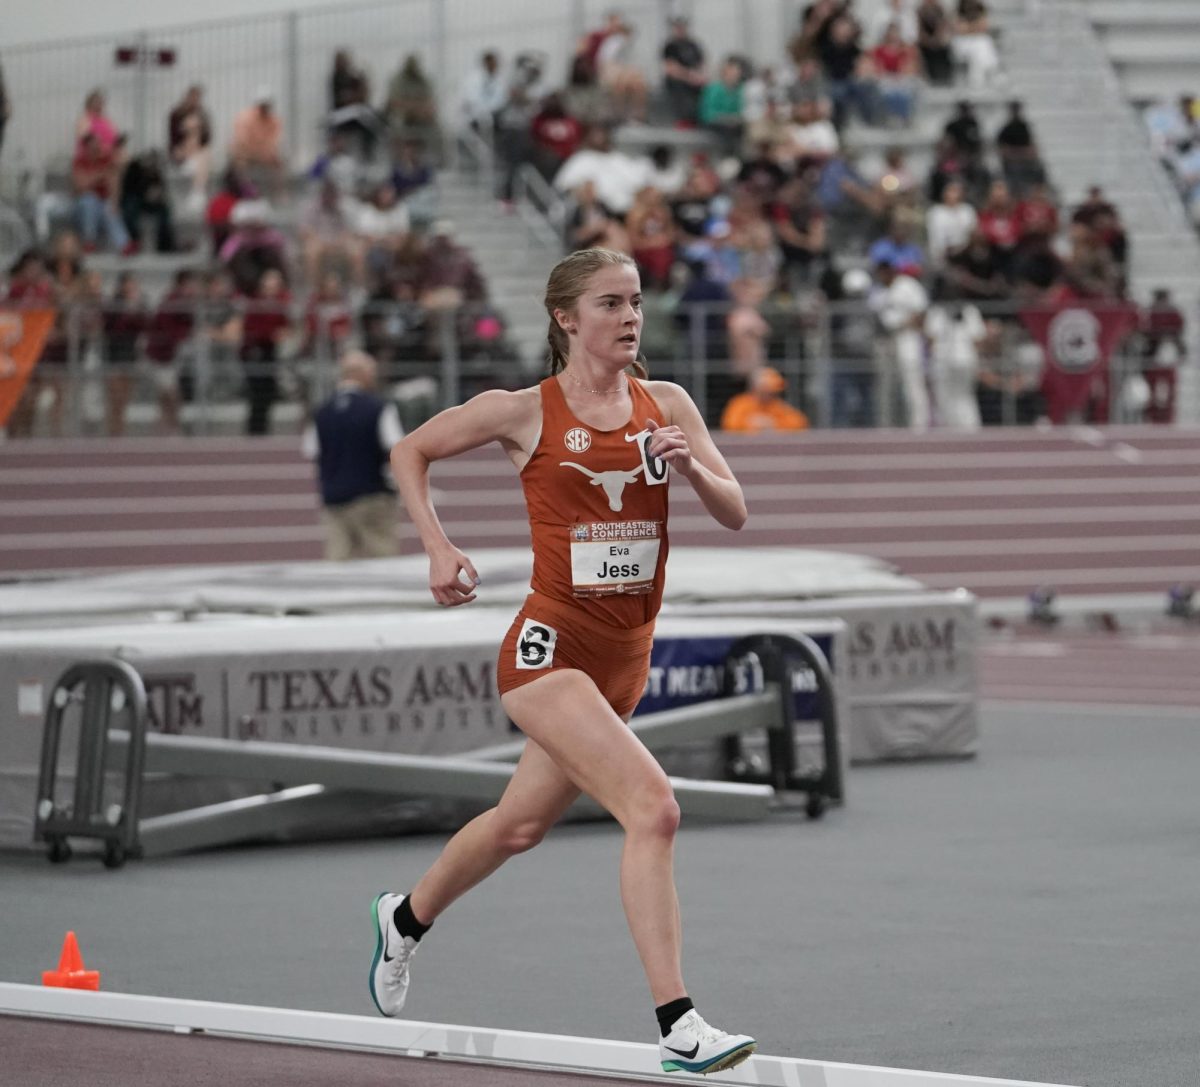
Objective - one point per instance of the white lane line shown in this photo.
(1026, 579)
(1023, 702)
(1126, 452)
(167, 504)
(155, 473)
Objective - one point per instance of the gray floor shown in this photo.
(1029, 915)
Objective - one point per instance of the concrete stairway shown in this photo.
(1090, 134)
(1153, 44)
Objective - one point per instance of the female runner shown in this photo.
(594, 447)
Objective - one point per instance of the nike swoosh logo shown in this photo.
(633, 437)
(386, 956)
(687, 1053)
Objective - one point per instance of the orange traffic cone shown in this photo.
(70, 973)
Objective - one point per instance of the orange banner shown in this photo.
(23, 333)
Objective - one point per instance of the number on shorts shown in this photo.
(535, 645)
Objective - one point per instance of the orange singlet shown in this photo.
(597, 506)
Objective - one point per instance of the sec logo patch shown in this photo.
(577, 439)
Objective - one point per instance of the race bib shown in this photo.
(655, 470)
(614, 557)
(535, 645)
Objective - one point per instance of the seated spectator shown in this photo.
(651, 232)
(617, 176)
(799, 229)
(934, 35)
(949, 224)
(761, 175)
(328, 320)
(897, 249)
(1020, 161)
(809, 83)
(684, 75)
(257, 145)
(329, 237)
(189, 136)
(484, 93)
(955, 332)
(448, 275)
(125, 323)
(721, 106)
(95, 179)
(95, 122)
(852, 206)
(253, 246)
(759, 258)
(144, 196)
(170, 328)
(895, 62)
(1000, 222)
(266, 327)
(584, 98)
(1088, 266)
(1171, 124)
(382, 224)
(972, 44)
(28, 281)
(667, 173)
(616, 72)
(716, 253)
(976, 273)
(892, 177)
(412, 177)
(692, 206)
(1187, 177)
(811, 137)
(762, 98)
(411, 107)
(762, 407)
(593, 224)
(350, 112)
(5, 108)
(1037, 268)
(556, 135)
(337, 165)
(219, 214)
(1037, 214)
(849, 73)
(816, 24)
(221, 329)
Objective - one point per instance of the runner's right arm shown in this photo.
(491, 416)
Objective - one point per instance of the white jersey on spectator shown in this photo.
(617, 176)
(948, 229)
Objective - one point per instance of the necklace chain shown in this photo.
(598, 392)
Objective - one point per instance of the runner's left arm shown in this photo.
(684, 442)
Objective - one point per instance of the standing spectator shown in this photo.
(762, 407)
(683, 72)
(799, 228)
(266, 325)
(329, 319)
(169, 330)
(949, 224)
(218, 373)
(964, 131)
(956, 332)
(350, 438)
(484, 93)
(94, 175)
(721, 106)
(934, 34)
(852, 330)
(5, 108)
(144, 196)
(257, 146)
(652, 237)
(189, 136)
(972, 44)
(1163, 351)
(746, 327)
(95, 122)
(411, 107)
(811, 137)
(337, 165)
(513, 141)
(852, 205)
(849, 73)
(125, 325)
(1020, 161)
(896, 64)
(901, 302)
(253, 246)
(350, 110)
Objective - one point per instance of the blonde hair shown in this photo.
(568, 280)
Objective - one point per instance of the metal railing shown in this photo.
(841, 367)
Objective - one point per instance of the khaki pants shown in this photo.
(362, 529)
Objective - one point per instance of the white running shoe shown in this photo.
(388, 978)
(694, 1046)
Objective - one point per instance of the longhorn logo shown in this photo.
(613, 482)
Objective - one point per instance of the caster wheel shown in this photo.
(814, 806)
(59, 851)
(114, 855)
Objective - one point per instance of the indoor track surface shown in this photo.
(998, 512)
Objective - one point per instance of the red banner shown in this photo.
(1078, 337)
(23, 333)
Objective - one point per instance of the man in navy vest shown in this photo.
(350, 438)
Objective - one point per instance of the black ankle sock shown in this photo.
(406, 922)
(668, 1013)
